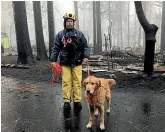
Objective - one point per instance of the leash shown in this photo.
(88, 74)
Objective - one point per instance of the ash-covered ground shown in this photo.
(29, 103)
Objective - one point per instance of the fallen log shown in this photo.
(102, 64)
(135, 69)
(163, 91)
(15, 66)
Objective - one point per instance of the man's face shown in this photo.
(69, 24)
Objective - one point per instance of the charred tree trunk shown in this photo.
(50, 25)
(109, 13)
(76, 13)
(150, 33)
(145, 13)
(139, 36)
(134, 45)
(22, 34)
(94, 27)
(110, 25)
(121, 27)
(99, 36)
(41, 49)
(158, 47)
(128, 23)
(162, 47)
(84, 19)
(118, 35)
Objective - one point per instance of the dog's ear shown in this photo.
(98, 83)
(112, 81)
(84, 84)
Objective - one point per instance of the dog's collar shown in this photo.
(88, 97)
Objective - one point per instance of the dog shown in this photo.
(97, 91)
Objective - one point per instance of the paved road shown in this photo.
(39, 109)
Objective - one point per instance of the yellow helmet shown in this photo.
(70, 16)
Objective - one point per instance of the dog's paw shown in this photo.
(89, 125)
(102, 127)
(108, 111)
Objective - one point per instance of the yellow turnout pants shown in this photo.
(71, 83)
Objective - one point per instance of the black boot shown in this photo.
(77, 106)
(67, 106)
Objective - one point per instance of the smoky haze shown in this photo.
(119, 17)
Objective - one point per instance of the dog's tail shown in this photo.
(112, 81)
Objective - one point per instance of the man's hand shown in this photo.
(58, 61)
(85, 61)
(53, 63)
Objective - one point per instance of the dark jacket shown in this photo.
(70, 53)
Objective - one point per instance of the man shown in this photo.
(71, 47)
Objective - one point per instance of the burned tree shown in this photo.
(150, 33)
(120, 24)
(99, 36)
(76, 13)
(41, 49)
(94, 27)
(22, 34)
(163, 29)
(50, 25)
(128, 23)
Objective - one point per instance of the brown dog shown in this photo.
(97, 90)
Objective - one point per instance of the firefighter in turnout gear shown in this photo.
(71, 47)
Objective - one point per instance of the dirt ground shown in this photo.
(31, 104)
